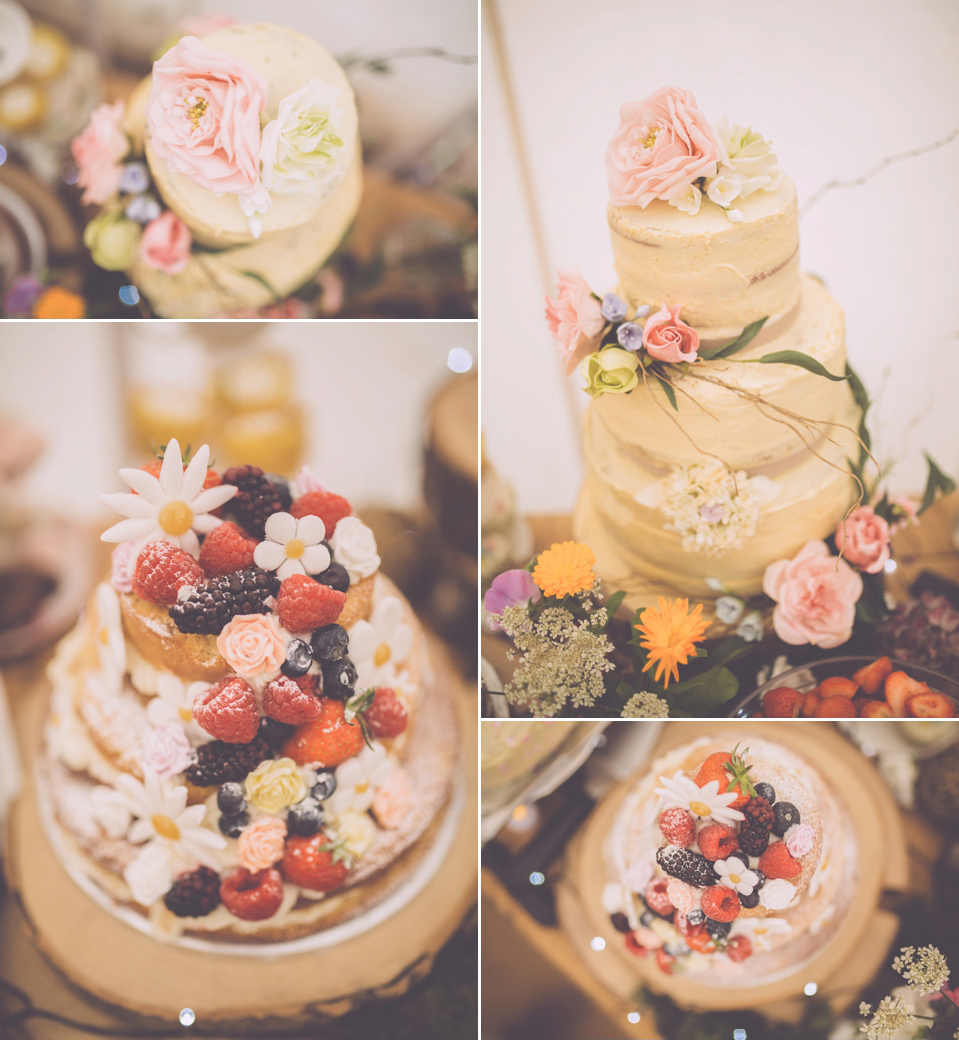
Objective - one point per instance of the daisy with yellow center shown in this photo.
(670, 635)
(564, 569)
(703, 803)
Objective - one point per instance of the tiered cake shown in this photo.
(247, 742)
(750, 462)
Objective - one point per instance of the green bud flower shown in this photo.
(610, 371)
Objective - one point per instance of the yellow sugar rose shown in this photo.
(274, 785)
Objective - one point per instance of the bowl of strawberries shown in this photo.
(854, 687)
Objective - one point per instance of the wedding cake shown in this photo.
(717, 437)
(247, 741)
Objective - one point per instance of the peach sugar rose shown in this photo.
(574, 318)
(393, 799)
(251, 645)
(863, 539)
(165, 243)
(261, 844)
(667, 337)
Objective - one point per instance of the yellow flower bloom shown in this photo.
(565, 569)
(59, 303)
(671, 634)
(274, 785)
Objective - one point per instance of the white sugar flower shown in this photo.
(355, 548)
(761, 930)
(163, 816)
(110, 810)
(149, 874)
(174, 703)
(293, 546)
(359, 778)
(377, 646)
(749, 160)
(679, 792)
(172, 507)
(734, 875)
(356, 830)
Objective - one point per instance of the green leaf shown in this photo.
(936, 482)
(614, 601)
(257, 277)
(871, 605)
(625, 691)
(704, 694)
(670, 393)
(795, 357)
(742, 340)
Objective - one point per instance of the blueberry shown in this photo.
(305, 818)
(339, 678)
(718, 929)
(767, 791)
(336, 576)
(276, 734)
(646, 918)
(696, 916)
(299, 657)
(330, 643)
(620, 922)
(232, 825)
(325, 785)
(282, 488)
(750, 901)
(762, 879)
(230, 800)
(786, 816)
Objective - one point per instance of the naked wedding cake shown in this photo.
(733, 866)
(247, 741)
(717, 437)
(230, 175)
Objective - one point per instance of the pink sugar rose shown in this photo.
(681, 895)
(204, 116)
(97, 152)
(122, 560)
(166, 750)
(815, 596)
(261, 844)
(393, 800)
(863, 539)
(662, 145)
(799, 840)
(251, 645)
(165, 243)
(574, 318)
(667, 337)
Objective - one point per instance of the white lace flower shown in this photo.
(172, 507)
(679, 792)
(734, 875)
(301, 150)
(149, 874)
(293, 546)
(174, 703)
(164, 816)
(359, 778)
(645, 705)
(379, 645)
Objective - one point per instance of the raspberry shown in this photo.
(227, 710)
(308, 684)
(304, 604)
(328, 740)
(686, 865)
(776, 862)
(386, 716)
(162, 570)
(739, 948)
(284, 701)
(677, 827)
(720, 904)
(252, 897)
(786, 815)
(656, 898)
(717, 841)
(754, 830)
(255, 501)
(212, 605)
(665, 961)
(218, 762)
(328, 507)
(315, 862)
(195, 893)
(634, 946)
(226, 549)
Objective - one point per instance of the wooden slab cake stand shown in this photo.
(850, 959)
(138, 973)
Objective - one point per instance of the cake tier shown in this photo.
(723, 274)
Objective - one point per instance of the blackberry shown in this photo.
(686, 865)
(696, 916)
(257, 499)
(339, 678)
(718, 929)
(229, 799)
(276, 734)
(218, 762)
(754, 830)
(676, 949)
(620, 922)
(299, 657)
(305, 818)
(330, 643)
(216, 601)
(325, 785)
(194, 894)
(786, 816)
(282, 489)
(766, 791)
(336, 576)
(232, 825)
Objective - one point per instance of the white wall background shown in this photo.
(836, 84)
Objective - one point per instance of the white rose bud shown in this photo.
(354, 548)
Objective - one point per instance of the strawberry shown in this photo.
(386, 716)
(717, 841)
(315, 862)
(656, 898)
(328, 507)
(898, 689)
(776, 862)
(700, 940)
(227, 710)
(677, 827)
(720, 903)
(285, 701)
(782, 703)
(836, 707)
(632, 944)
(212, 478)
(871, 676)
(931, 705)
(874, 708)
(665, 961)
(837, 686)
(730, 770)
(328, 740)
(226, 549)
(161, 570)
(252, 897)
(810, 703)
(738, 948)
(304, 604)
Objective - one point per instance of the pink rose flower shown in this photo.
(97, 152)
(910, 514)
(165, 243)
(667, 337)
(574, 318)
(261, 844)
(663, 144)
(202, 24)
(251, 645)
(166, 750)
(393, 799)
(799, 840)
(815, 596)
(122, 560)
(863, 539)
(204, 116)
(681, 895)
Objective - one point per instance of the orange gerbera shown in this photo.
(565, 569)
(671, 634)
(56, 302)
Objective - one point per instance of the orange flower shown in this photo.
(564, 569)
(671, 634)
(56, 302)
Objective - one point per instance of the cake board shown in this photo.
(862, 941)
(127, 969)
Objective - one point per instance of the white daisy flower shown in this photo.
(379, 645)
(679, 792)
(293, 546)
(163, 816)
(734, 875)
(174, 703)
(172, 507)
(359, 778)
